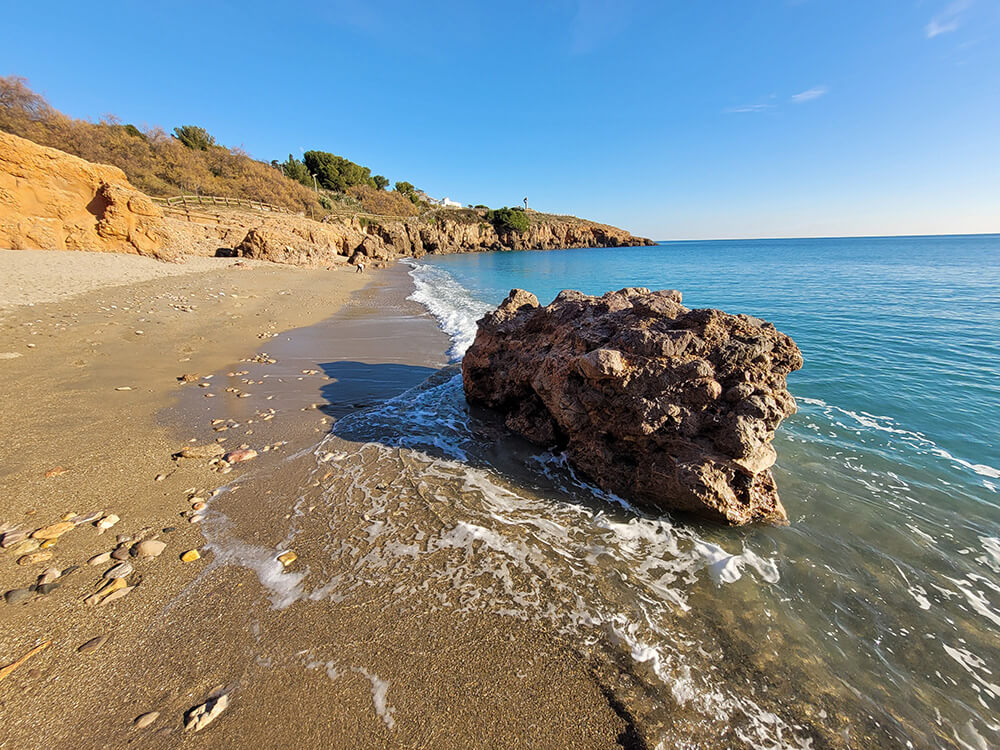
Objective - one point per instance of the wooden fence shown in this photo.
(219, 200)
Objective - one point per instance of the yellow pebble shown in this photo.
(49, 543)
(191, 555)
(287, 558)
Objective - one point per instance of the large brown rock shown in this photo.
(51, 200)
(672, 408)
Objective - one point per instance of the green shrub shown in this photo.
(194, 138)
(508, 220)
(381, 183)
(335, 172)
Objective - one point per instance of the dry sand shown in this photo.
(31, 277)
(190, 630)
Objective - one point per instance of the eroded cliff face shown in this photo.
(674, 409)
(50, 200)
(383, 240)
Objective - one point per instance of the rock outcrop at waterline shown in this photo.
(672, 408)
(303, 242)
(50, 200)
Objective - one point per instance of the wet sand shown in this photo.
(386, 669)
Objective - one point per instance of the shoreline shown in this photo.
(192, 629)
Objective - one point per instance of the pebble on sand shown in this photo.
(54, 531)
(35, 557)
(116, 595)
(240, 455)
(100, 559)
(209, 450)
(201, 716)
(191, 555)
(93, 644)
(287, 558)
(121, 570)
(54, 472)
(141, 722)
(15, 596)
(107, 522)
(149, 548)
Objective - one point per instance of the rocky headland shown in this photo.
(674, 409)
(53, 200)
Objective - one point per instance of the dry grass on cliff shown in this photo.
(154, 162)
(383, 202)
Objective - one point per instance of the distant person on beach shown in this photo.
(361, 268)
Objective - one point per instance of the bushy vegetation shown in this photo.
(335, 172)
(384, 202)
(155, 162)
(508, 219)
(193, 137)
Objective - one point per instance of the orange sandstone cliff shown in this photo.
(51, 200)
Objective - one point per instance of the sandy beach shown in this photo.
(92, 350)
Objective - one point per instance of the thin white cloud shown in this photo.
(947, 20)
(749, 108)
(809, 94)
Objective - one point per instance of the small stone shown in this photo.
(116, 595)
(16, 596)
(198, 505)
(149, 548)
(47, 588)
(69, 516)
(124, 388)
(54, 531)
(159, 477)
(70, 570)
(287, 558)
(201, 716)
(145, 720)
(100, 559)
(139, 333)
(168, 529)
(191, 555)
(209, 450)
(10, 538)
(35, 557)
(93, 644)
(188, 377)
(107, 522)
(26, 546)
(48, 543)
(121, 570)
(197, 518)
(240, 455)
(55, 471)
(111, 587)
(122, 538)
(120, 553)
(86, 517)
(49, 576)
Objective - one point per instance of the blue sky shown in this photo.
(693, 119)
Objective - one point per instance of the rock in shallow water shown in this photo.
(672, 408)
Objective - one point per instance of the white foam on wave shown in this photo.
(888, 425)
(455, 309)
(549, 552)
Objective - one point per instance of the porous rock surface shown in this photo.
(671, 408)
(51, 200)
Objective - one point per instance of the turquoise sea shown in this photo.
(874, 618)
